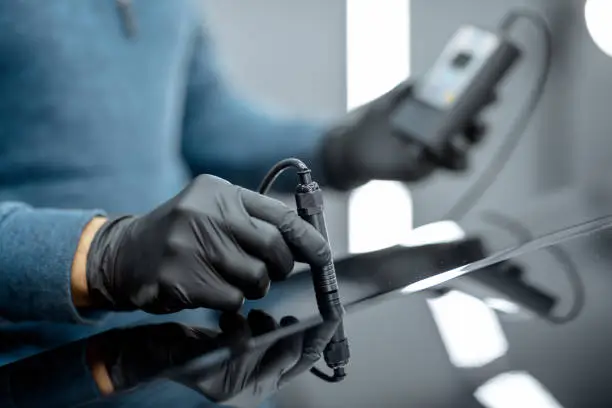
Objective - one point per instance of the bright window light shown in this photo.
(598, 16)
(515, 389)
(377, 48)
(434, 280)
(503, 305)
(435, 233)
(380, 216)
(470, 331)
(377, 54)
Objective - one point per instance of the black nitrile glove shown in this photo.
(137, 355)
(365, 147)
(213, 245)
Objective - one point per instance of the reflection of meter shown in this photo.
(456, 88)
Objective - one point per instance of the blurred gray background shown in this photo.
(291, 54)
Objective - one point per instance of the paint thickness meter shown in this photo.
(456, 88)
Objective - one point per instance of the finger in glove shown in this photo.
(263, 240)
(306, 243)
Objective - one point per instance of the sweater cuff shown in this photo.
(38, 247)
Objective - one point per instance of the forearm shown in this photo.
(240, 143)
(38, 252)
(227, 136)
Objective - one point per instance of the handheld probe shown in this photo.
(309, 202)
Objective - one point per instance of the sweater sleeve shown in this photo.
(231, 138)
(37, 247)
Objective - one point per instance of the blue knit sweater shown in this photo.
(99, 121)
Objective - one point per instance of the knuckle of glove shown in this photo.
(208, 179)
(289, 222)
(179, 235)
(261, 285)
(158, 298)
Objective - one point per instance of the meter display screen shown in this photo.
(460, 62)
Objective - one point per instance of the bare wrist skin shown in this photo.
(78, 277)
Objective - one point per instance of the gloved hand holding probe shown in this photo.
(215, 244)
(212, 246)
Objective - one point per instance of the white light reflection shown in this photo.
(435, 233)
(515, 389)
(435, 280)
(380, 216)
(503, 305)
(469, 329)
(377, 48)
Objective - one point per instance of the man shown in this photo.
(111, 107)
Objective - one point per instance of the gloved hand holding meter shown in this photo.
(216, 244)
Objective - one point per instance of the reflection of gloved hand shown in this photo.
(255, 375)
(210, 246)
(365, 147)
(134, 356)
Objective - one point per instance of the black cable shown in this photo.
(560, 255)
(473, 194)
(577, 285)
(336, 377)
(278, 169)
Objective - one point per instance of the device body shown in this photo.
(309, 202)
(457, 87)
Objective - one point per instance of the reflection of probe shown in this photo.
(560, 256)
(309, 201)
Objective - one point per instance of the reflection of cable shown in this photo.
(467, 201)
(519, 230)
